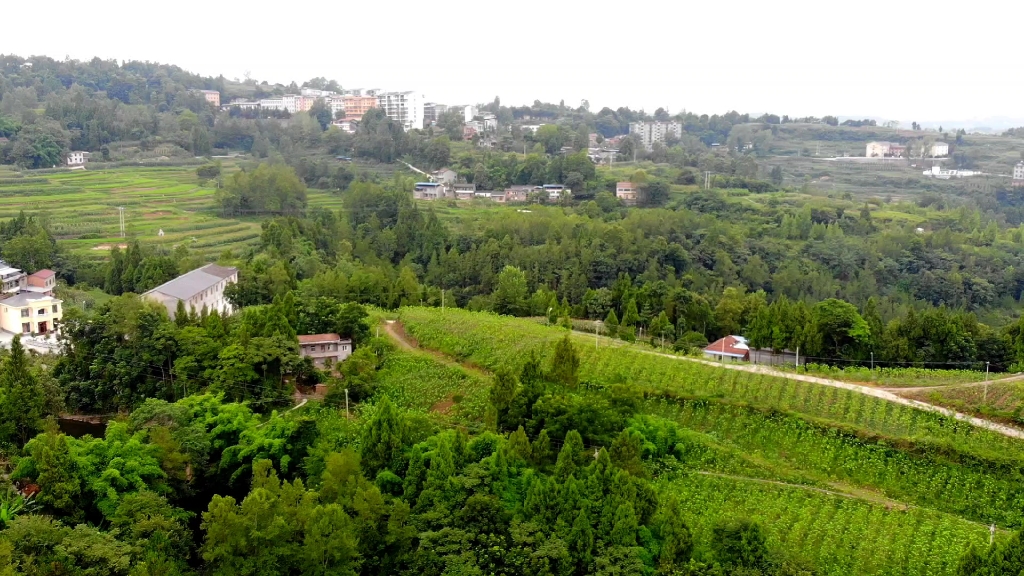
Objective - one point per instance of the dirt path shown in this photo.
(898, 389)
(882, 393)
(840, 492)
(397, 332)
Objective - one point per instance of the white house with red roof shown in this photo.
(728, 349)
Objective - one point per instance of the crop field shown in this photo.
(895, 377)
(837, 536)
(849, 483)
(494, 341)
(417, 381)
(82, 209)
(1002, 400)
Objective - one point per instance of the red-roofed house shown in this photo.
(42, 282)
(730, 349)
(325, 349)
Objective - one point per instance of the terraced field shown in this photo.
(82, 208)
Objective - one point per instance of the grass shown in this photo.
(1003, 401)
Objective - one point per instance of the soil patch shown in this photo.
(443, 406)
(157, 213)
(108, 246)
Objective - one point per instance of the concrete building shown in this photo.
(886, 150)
(518, 193)
(30, 313)
(77, 158)
(202, 287)
(428, 191)
(626, 191)
(336, 104)
(556, 191)
(651, 132)
(728, 349)
(1018, 174)
(41, 282)
(12, 280)
(211, 97)
(444, 176)
(357, 105)
(346, 125)
(406, 108)
(464, 191)
(940, 149)
(326, 350)
(272, 104)
(432, 112)
(243, 104)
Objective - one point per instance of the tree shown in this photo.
(565, 364)
(321, 112)
(740, 544)
(654, 193)
(510, 293)
(21, 398)
(383, 439)
(776, 175)
(838, 328)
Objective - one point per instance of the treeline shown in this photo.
(709, 267)
(127, 350)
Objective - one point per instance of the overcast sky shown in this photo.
(918, 61)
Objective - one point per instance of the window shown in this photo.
(41, 312)
(54, 308)
(25, 312)
(26, 327)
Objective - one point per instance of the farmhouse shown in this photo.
(728, 349)
(30, 313)
(326, 350)
(198, 289)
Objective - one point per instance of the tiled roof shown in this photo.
(318, 338)
(44, 273)
(729, 346)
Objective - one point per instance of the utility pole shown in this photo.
(346, 403)
(120, 217)
(597, 332)
(442, 300)
(984, 395)
(872, 361)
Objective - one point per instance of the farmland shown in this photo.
(81, 208)
(847, 483)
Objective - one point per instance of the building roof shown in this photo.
(44, 273)
(189, 284)
(8, 270)
(23, 299)
(624, 184)
(732, 346)
(318, 338)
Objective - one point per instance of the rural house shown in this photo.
(202, 287)
(30, 313)
(728, 349)
(42, 282)
(325, 349)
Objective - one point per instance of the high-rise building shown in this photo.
(406, 108)
(651, 132)
(432, 112)
(1018, 174)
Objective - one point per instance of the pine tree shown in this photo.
(113, 284)
(383, 439)
(569, 456)
(581, 542)
(624, 526)
(181, 317)
(541, 449)
(519, 444)
(502, 393)
(565, 364)
(21, 399)
(611, 323)
(631, 317)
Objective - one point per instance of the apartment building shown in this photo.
(651, 132)
(211, 96)
(1018, 174)
(357, 105)
(406, 108)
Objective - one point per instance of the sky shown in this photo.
(935, 61)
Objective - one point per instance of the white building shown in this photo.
(336, 104)
(198, 289)
(77, 158)
(406, 108)
(939, 173)
(1018, 174)
(651, 132)
(940, 149)
(243, 104)
(272, 104)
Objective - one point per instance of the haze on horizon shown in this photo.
(892, 61)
